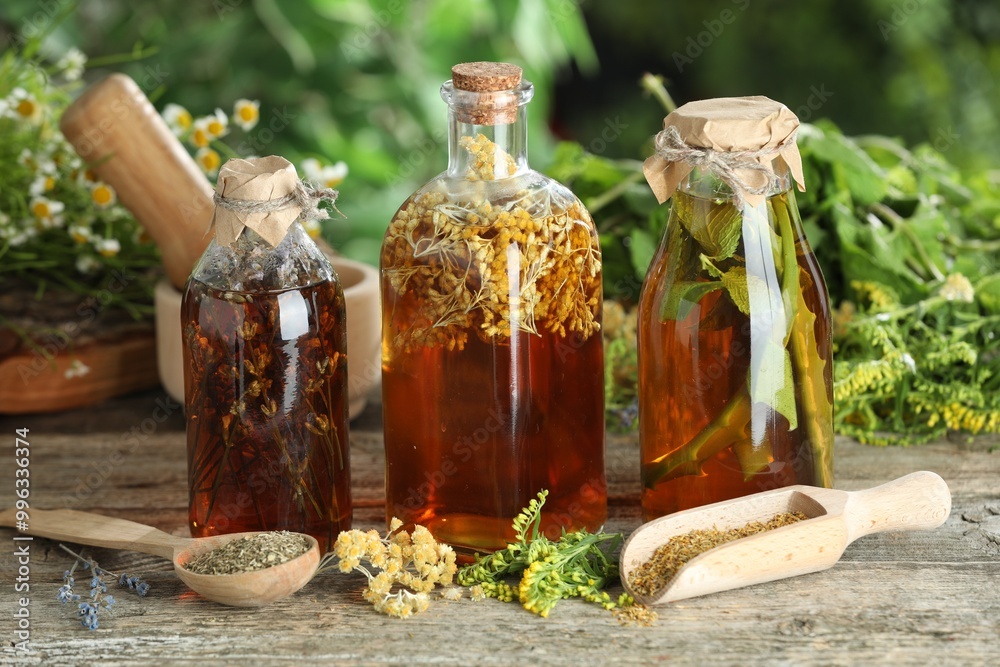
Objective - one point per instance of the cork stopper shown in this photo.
(481, 77)
(495, 100)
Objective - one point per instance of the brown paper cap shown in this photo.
(728, 124)
(256, 179)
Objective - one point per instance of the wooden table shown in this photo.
(906, 598)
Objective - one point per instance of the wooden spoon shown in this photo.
(247, 589)
(919, 501)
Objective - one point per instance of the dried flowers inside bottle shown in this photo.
(735, 366)
(491, 345)
(266, 364)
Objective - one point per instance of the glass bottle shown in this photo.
(265, 387)
(735, 359)
(492, 360)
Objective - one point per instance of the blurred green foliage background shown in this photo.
(358, 81)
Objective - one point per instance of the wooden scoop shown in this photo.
(247, 589)
(116, 130)
(919, 501)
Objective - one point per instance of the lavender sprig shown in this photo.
(100, 601)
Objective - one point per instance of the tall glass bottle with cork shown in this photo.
(735, 363)
(265, 364)
(492, 361)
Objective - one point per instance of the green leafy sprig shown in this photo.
(580, 564)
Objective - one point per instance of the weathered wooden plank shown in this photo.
(900, 599)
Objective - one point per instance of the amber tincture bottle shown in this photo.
(735, 366)
(492, 364)
(265, 371)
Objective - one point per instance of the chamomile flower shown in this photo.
(26, 158)
(208, 160)
(80, 233)
(42, 184)
(22, 105)
(72, 63)
(246, 113)
(329, 176)
(107, 247)
(311, 169)
(217, 125)
(103, 195)
(333, 175)
(46, 211)
(200, 136)
(87, 264)
(178, 119)
(312, 227)
(23, 236)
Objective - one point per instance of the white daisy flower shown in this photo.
(103, 195)
(107, 247)
(246, 113)
(217, 124)
(46, 211)
(208, 160)
(178, 118)
(42, 184)
(333, 175)
(81, 233)
(22, 105)
(72, 64)
(200, 136)
(87, 264)
(311, 169)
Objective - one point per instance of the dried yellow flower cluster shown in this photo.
(459, 264)
(484, 155)
(415, 562)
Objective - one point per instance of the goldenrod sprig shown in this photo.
(580, 564)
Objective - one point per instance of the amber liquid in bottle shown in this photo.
(521, 415)
(268, 439)
(692, 369)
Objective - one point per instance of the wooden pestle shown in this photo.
(115, 129)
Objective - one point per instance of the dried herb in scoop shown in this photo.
(251, 553)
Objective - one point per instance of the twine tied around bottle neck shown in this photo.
(741, 140)
(305, 196)
(727, 165)
(266, 195)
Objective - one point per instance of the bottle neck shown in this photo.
(487, 132)
(706, 184)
